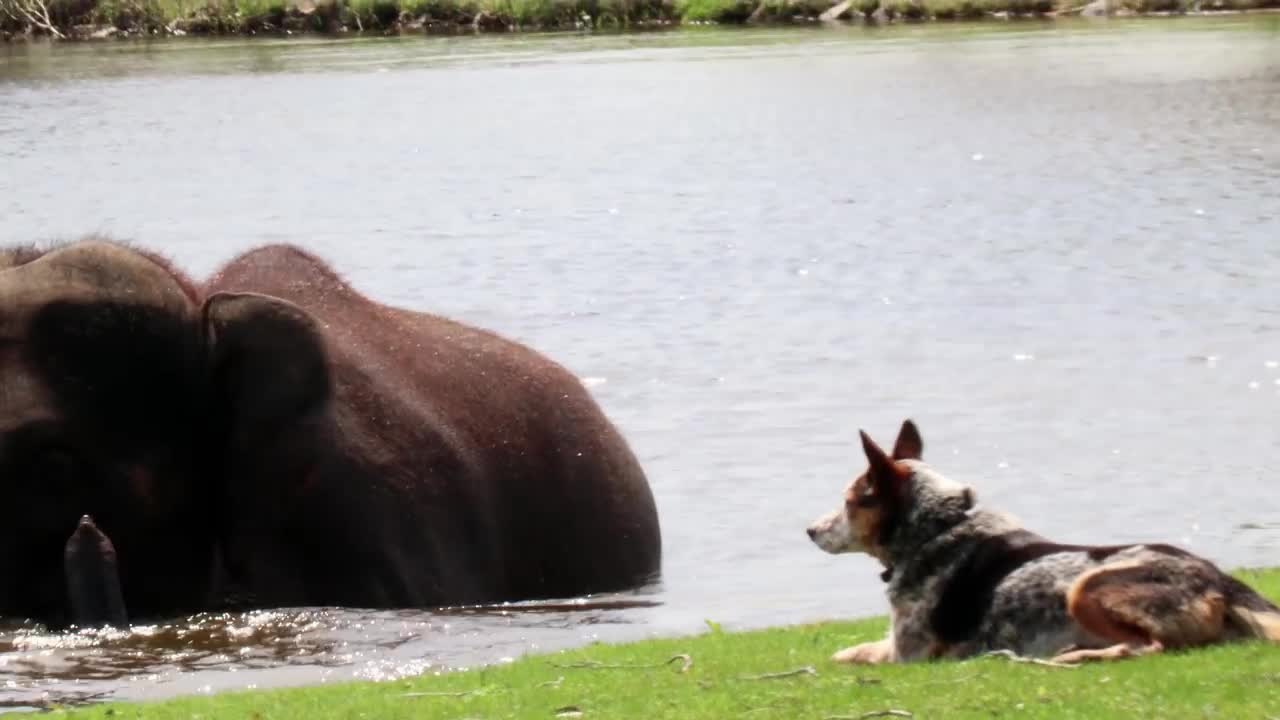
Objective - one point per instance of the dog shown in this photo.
(964, 581)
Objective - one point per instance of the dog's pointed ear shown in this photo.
(909, 445)
(884, 475)
(881, 464)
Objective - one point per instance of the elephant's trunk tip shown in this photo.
(86, 529)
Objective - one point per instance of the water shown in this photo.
(1056, 246)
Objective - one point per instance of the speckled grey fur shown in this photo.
(1028, 609)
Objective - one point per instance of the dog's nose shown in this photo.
(812, 533)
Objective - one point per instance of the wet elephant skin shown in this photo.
(275, 436)
(94, 597)
(102, 400)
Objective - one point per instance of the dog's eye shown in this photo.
(864, 500)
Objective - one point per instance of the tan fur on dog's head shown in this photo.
(893, 487)
(872, 500)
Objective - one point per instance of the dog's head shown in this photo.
(897, 491)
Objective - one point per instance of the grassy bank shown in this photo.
(778, 673)
(124, 18)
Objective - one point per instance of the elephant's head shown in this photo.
(128, 398)
(103, 397)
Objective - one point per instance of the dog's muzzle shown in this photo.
(833, 533)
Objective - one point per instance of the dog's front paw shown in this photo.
(872, 653)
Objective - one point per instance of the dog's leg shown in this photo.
(1115, 652)
(870, 653)
(1141, 612)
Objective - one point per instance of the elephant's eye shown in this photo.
(57, 461)
(43, 456)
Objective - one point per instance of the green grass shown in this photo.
(730, 678)
(738, 11)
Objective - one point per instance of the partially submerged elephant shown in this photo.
(277, 437)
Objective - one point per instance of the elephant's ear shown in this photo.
(267, 358)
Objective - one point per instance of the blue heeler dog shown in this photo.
(964, 581)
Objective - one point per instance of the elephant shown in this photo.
(272, 437)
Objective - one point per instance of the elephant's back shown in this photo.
(493, 390)
(572, 485)
(556, 481)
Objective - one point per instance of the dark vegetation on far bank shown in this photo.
(83, 19)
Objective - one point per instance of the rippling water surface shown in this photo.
(1057, 246)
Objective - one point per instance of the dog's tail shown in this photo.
(1253, 614)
